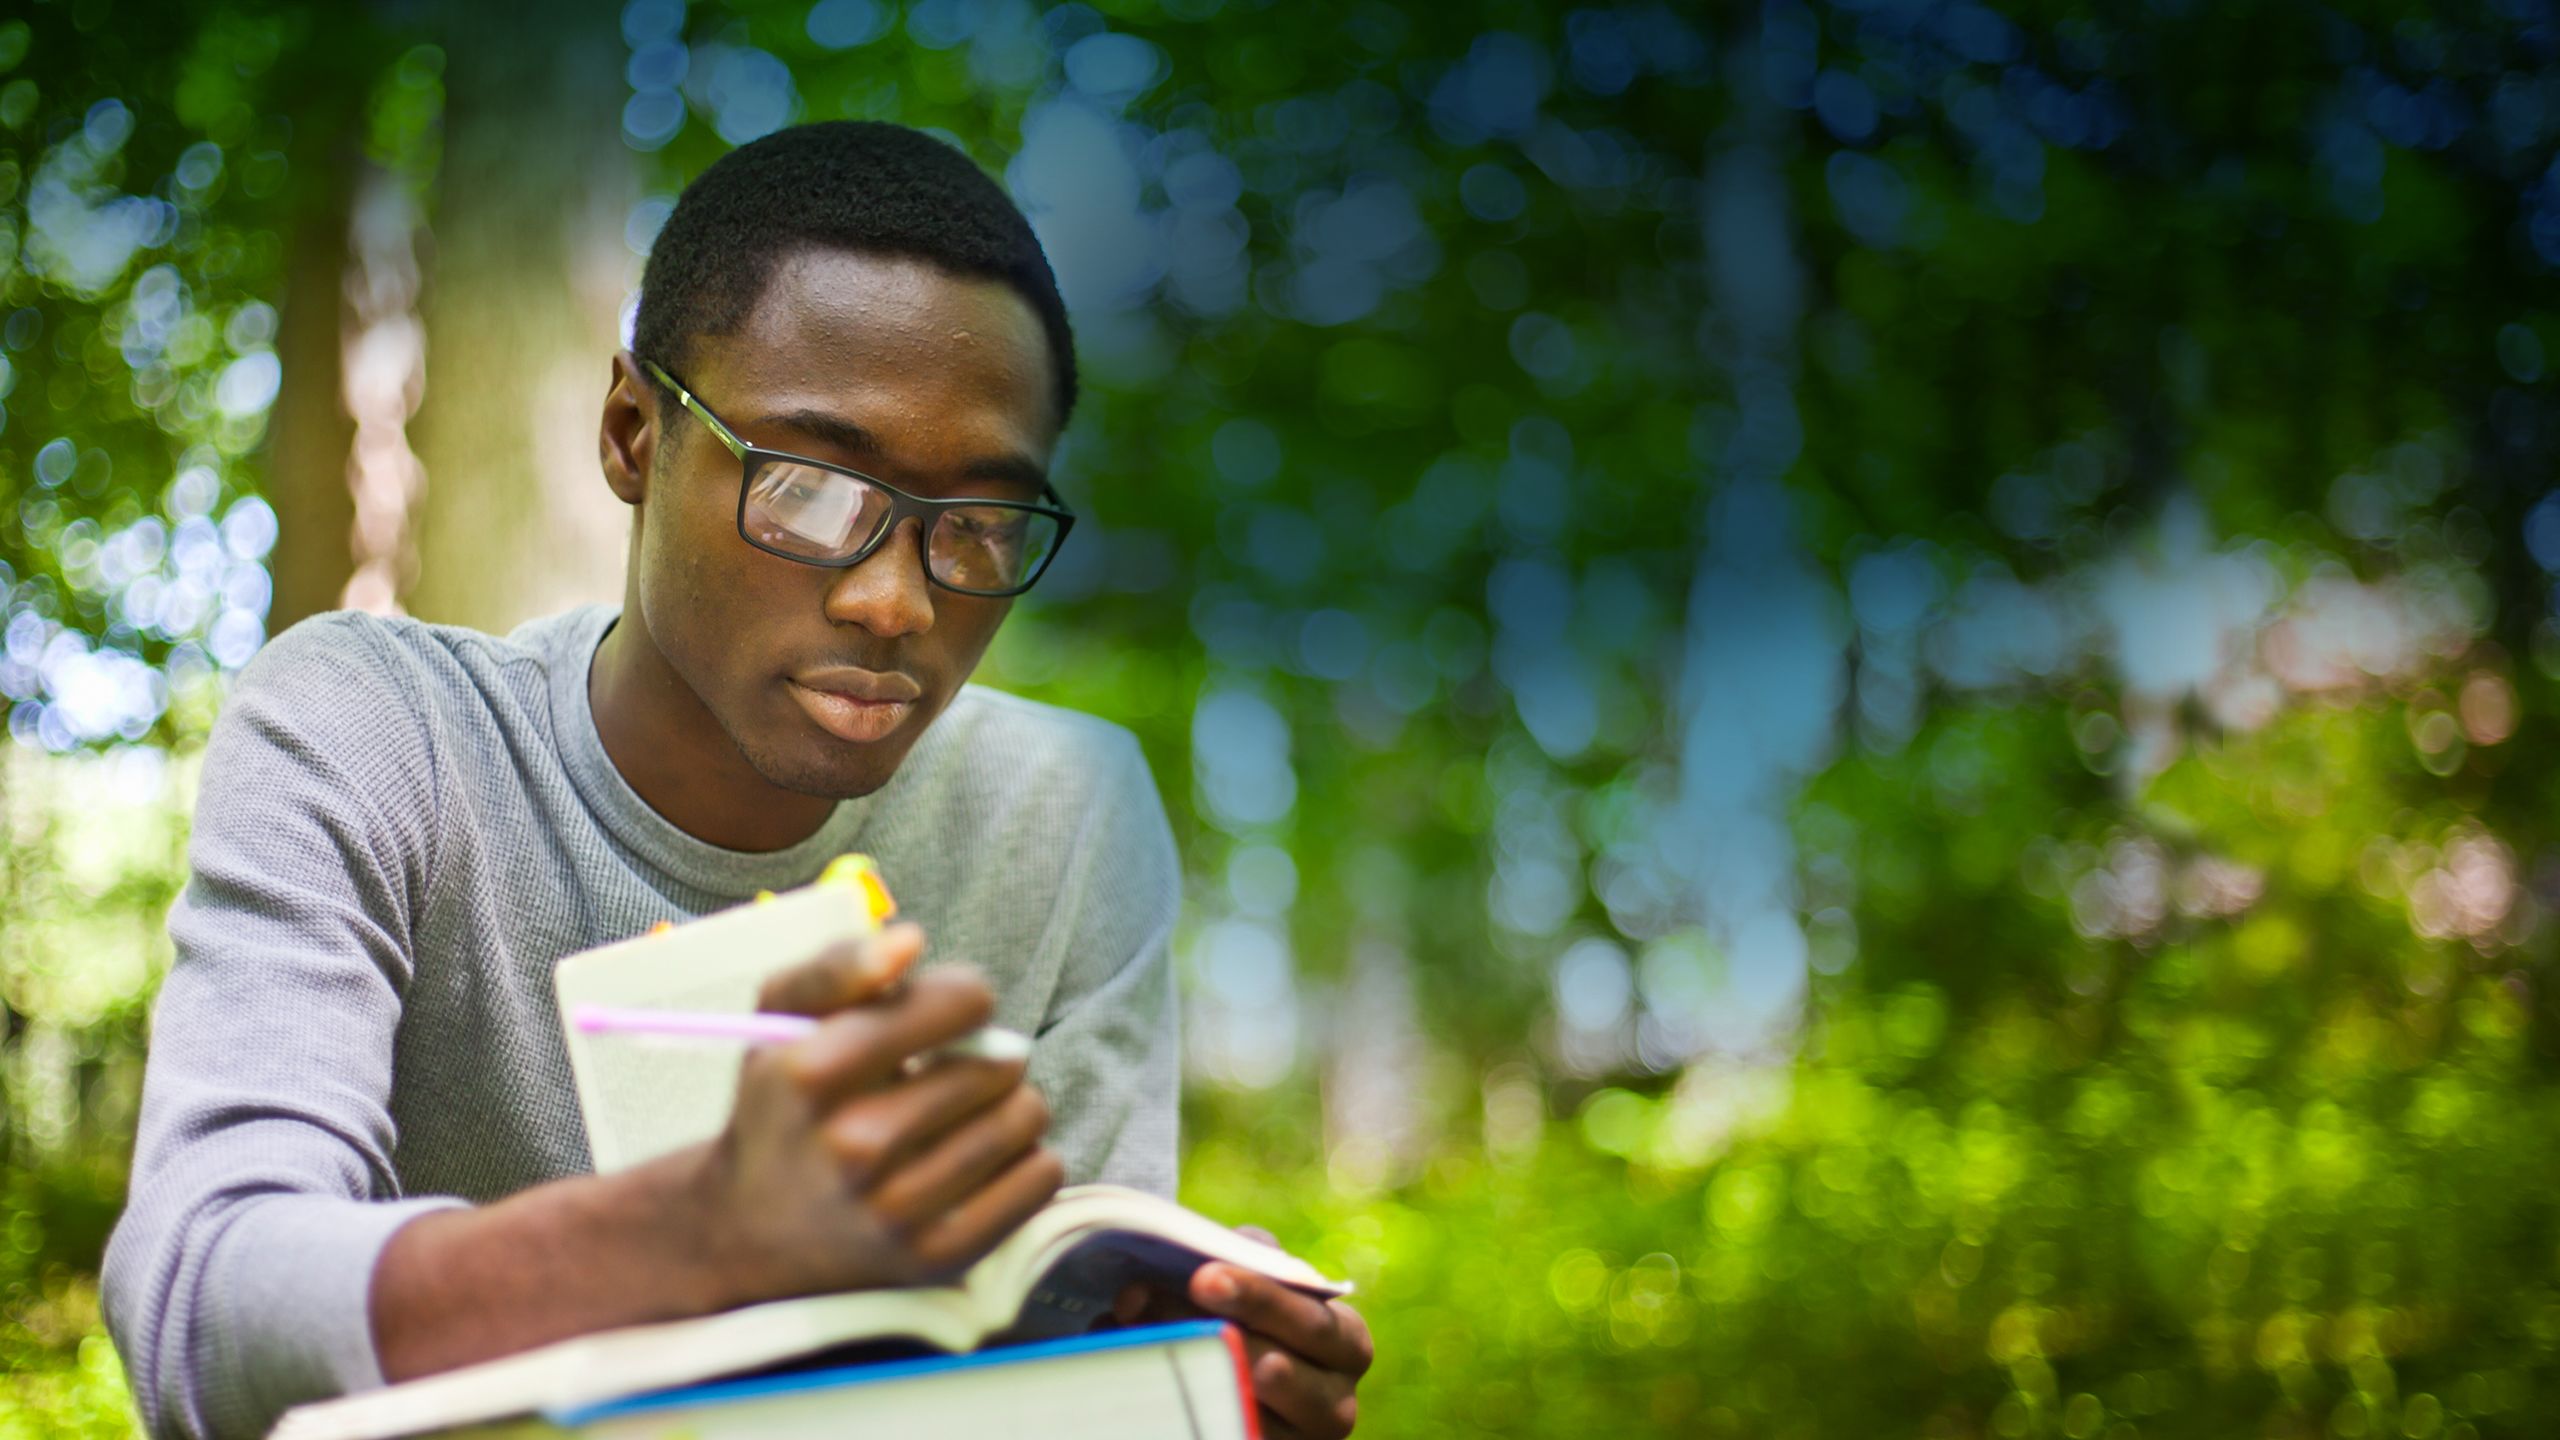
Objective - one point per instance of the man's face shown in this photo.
(939, 385)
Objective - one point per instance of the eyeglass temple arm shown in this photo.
(685, 398)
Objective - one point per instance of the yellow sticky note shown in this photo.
(862, 872)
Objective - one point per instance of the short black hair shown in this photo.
(861, 185)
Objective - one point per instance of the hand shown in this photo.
(842, 1166)
(1307, 1354)
(844, 975)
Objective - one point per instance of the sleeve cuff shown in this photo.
(292, 1285)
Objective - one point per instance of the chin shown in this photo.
(836, 776)
(826, 768)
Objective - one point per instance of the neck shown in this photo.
(673, 753)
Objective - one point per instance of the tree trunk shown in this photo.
(310, 431)
(523, 315)
(310, 427)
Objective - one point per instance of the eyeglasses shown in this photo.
(821, 514)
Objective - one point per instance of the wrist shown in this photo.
(688, 1226)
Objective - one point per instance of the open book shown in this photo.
(1055, 1276)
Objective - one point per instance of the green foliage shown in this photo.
(2135, 432)
(59, 1376)
(2270, 1171)
(155, 162)
(92, 856)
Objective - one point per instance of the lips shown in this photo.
(858, 706)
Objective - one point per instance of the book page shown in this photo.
(615, 1363)
(644, 1096)
(1061, 1270)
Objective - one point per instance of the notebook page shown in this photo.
(645, 1096)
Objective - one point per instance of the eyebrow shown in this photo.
(843, 434)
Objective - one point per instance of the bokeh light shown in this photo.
(1856, 695)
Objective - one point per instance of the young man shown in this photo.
(360, 1158)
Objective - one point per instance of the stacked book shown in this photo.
(1178, 1382)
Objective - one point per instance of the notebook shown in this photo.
(641, 1099)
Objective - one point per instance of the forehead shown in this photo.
(887, 338)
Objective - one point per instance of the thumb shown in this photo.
(846, 974)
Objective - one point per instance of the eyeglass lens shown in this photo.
(823, 516)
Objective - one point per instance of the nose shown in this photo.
(887, 593)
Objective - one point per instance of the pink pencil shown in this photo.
(759, 1028)
(987, 1042)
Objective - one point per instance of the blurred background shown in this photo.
(1856, 695)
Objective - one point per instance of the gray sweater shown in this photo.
(401, 827)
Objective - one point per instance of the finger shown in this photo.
(1305, 1398)
(1146, 1302)
(1258, 1234)
(1132, 1302)
(974, 1226)
(876, 1131)
(863, 1047)
(1327, 1332)
(965, 1157)
(844, 974)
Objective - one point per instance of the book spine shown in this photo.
(1244, 1383)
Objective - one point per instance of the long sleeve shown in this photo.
(1110, 1040)
(263, 1189)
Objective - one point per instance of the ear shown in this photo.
(627, 439)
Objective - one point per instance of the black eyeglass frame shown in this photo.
(901, 504)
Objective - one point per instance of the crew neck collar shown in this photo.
(684, 858)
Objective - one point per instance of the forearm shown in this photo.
(559, 1260)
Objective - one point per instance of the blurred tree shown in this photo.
(336, 72)
(531, 274)
(312, 435)
(1876, 679)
